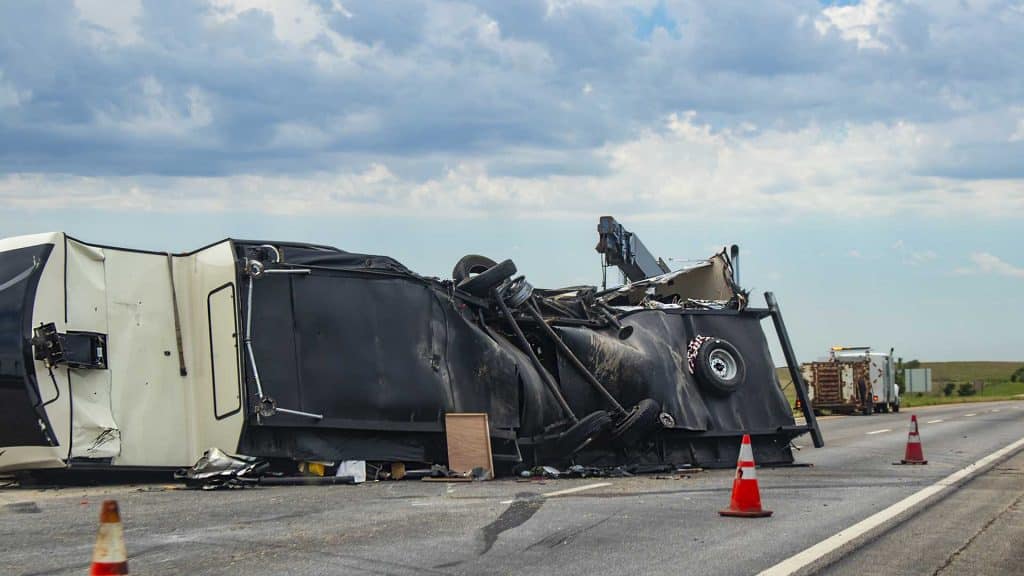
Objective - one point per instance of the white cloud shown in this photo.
(986, 263)
(923, 257)
(10, 96)
(1018, 134)
(299, 24)
(863, 23)
(914, 257)
(686, 170)
(157, 113)
(111, 23)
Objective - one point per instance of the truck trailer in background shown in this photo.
(836, 384)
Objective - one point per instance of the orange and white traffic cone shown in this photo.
(109, 556)
(746, 498)
(914, 453)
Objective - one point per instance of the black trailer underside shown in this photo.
(353, 356)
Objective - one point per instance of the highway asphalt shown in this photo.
(641, 525)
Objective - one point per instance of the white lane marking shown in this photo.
(878, 431)
(971, 414)
(576, 489)
(821, 549)
(935, 421)
(995, 410)
(567, 491)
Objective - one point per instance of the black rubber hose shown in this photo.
(552, 385)
(531, 309)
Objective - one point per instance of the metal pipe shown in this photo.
(277, 253)
(299, 413)
(531, 309)
(624, 331)
(305, 480)
(552, 385)
(794, 369)
(248, 339)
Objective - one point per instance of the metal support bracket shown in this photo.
(794, 370)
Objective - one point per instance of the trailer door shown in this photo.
(23, 394)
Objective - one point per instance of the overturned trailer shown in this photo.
(123, 359)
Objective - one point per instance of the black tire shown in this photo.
(642, 420)
(896, 407)
(469, 265)
(720, 367)
(481, 284)
(582, 433)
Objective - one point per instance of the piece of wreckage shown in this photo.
(113, 358)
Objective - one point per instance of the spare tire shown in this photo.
(582, 433)
(469, 265)
(720, 367)
(481, 284)
(641, 421)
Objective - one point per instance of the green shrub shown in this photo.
(947, 390)
(966, 389)
(1018, 375)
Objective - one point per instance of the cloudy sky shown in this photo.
(868, 156)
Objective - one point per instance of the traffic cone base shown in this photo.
(742, 514)
(109, 556)
(746, 498)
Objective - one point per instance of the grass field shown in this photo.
(996, 376)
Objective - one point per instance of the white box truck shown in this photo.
(835, 384)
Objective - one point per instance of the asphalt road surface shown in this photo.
(641, 525)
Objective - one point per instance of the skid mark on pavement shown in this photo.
(515, 515)
(566, 535)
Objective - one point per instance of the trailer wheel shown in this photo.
(642, 420)
(469, 265)
(481, 284)
(896, 406)
(720, 366)
(582, 432)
